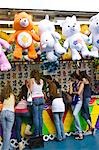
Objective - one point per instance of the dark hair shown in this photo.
(76, 76)
(83, 74)
(36, 75)
(48, 77)
(23, 92)
(6, 91)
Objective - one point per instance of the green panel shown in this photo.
(97, 101)
(91, 108)
(83, 123)
(45, 130)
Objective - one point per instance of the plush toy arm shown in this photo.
(90, 39)
(86, 38)
(12, 38)
(4, 63)
(5, 44)
(56, 35)
(66, 44)
(35, 36)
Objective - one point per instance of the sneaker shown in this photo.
(59, 140)
(21, 146)
(88, 133)
(79, 137)
(93, 131)
(27, 130)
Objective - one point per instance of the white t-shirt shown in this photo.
(37, 89)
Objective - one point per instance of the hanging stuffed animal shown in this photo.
(94, 29)
(74, 39)
(85, 29)
(4, 63)
(24, 36)
(49, 40)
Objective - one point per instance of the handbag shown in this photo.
(36, 142)
(29, 98)
(66, 97)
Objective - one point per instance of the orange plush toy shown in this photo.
(24, 36)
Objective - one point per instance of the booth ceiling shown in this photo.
(8, 14)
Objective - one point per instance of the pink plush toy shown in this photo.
(4, 63)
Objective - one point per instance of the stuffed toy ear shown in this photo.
(93, 17)
(47, 17)
(67, 19)
(74, 18)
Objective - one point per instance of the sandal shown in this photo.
(93, 131)
(79, 137)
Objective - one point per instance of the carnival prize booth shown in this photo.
(49, 46)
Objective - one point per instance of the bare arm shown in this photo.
(30, 85)
(81, 87)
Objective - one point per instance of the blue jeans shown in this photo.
(76, 109)
(58, 116)
(18, 120)
(85, 109)
(37, 110)
(7, 120)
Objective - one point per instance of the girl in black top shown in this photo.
(86, 98)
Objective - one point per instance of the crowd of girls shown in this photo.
(79, 88)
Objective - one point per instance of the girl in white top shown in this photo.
(7, 115)
(36, 86)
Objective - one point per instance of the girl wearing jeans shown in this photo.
(58, 109)
(36, 88)
(76, 105)
(21, 112)
(7, 115)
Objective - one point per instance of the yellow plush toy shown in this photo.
(24, 36)
(85, 29)
(4, 35)
(67, 55)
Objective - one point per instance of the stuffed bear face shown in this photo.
(47, 40)
(23, 21)
(46, 25)
(70, 26)
(94, 24)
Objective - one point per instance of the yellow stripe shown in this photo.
(48, 122)
(68, 121)
(95, 114)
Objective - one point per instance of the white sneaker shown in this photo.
(27, 130)
(21, 146)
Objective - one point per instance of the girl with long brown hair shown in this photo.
(36, 88)
(7, 114)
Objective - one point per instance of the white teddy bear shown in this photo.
(49, 40)
(75, 40)
(94, 29)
